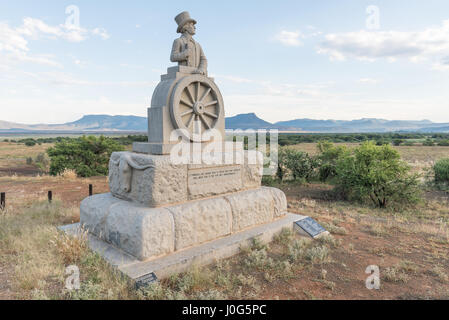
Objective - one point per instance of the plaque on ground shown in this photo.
(310, 227)
(145, 280)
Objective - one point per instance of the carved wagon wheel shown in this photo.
(196, 105)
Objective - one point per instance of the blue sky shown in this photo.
(280, 59)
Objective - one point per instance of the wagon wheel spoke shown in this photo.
(210, 114)
(205, 122)
(198, 86)
(186, 113)
(190, 94)
(210, 103)
(205, 95)
(186, 103)
(190, 121)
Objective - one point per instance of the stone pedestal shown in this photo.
(157, 207)
(148, 233)
(153, 180)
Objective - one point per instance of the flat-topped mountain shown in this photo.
(107, 123)
(360, 125)
(246, 121)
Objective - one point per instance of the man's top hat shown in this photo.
(183, 18)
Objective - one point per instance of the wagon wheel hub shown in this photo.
(198, 108)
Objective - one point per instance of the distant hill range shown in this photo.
(107, 123)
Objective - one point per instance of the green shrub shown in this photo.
(398, 142)
(444, 143)
(42, 161)
(88, 156)
(29, 161)
(300, 164)
(268, 181)
(428, 143)
(377, 174)
(441, 170)
(328, 157)
(30, 143)
(381, 142)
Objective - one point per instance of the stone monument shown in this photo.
(162, 215)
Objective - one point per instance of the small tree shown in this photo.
(88, 156)
(377, 174)
(328, 157)
(441, 171)
(42, 161)
(300, 164)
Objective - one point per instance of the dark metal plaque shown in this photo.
(310, 226)
(145, 280)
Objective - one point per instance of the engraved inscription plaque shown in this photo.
(310, 226)
(145, 280)
(214, 180)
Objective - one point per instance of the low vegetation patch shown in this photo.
(39, 254)
(376, 174)
(441, 172)
(400, 272)
(87, 156)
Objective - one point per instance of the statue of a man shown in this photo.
(186, 51)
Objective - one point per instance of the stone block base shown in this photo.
(155, 180)
(181, 261)
(147, 233)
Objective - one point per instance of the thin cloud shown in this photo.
(101, 32)
(368, 81)
(416, 46)
(14, 41)
(289, 38)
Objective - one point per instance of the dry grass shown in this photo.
(69, 174)
(15, 154)
(400, 272)
(243, 276)
(440, 273)
(39, 254)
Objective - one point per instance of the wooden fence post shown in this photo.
(2, 200)
(50, 196)
(91, 192)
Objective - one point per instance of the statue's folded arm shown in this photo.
(176, 54)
